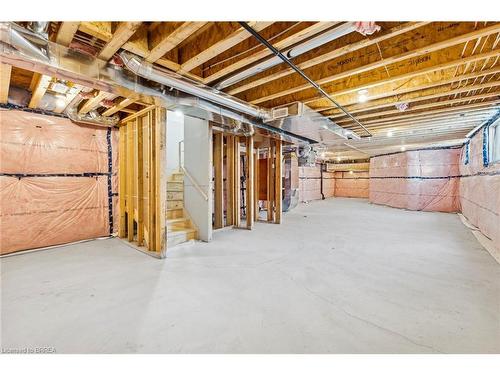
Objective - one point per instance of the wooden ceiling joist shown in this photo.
(399, 100)
(94, 102)
(222, 45)
(481, 106)
(5, 72)
(118, 107)
(261, 54)
(399, 79)
(75, 90)
(172, 40)
(385, 61)
(40, 88)
(122, 34)
(421, 107)
(66, 32)
(398, 30)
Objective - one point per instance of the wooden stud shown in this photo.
(250, 183)
(130, 181)
(256, 184)
(160, 181)
(219, 180)
(137, 114)
(278, 182)
(270, 182)
(152, 184)
(122, 182)
(230, 180)
(5, 72)
(237, 182)
(140, 178)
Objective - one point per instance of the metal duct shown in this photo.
(58, 61)
(317, 41)
(40, 28)
(189, 86)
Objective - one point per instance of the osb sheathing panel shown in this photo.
(42, 211)
(394, 180)
(480, 194)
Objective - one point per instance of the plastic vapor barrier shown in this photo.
(58, 181)
(423, 180)
(352, 185)
(479, 191)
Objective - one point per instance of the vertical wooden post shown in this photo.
(160, 115)
(237, 182)
(270, 182)
(278, 182)
(122, 154)
(151, 183)
(139, 181)
(130, 181)
(229, 180)
(256, 185)
(249, 182)
(218, 157)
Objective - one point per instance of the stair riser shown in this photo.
(175, 186)
(175, 214)
(176, 239)
(177, 177)
(175, 195)
(174, 204)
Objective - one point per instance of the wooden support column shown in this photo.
(250, 182)
(218, 159)
(237, 182)
(229, 180)
(122, 231)
(256, 184)
(278, 182)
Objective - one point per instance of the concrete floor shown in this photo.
(339, 276)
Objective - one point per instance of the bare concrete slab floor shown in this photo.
(339, 276)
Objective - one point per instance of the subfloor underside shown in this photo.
(338, 276)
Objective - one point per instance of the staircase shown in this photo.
(179, 227)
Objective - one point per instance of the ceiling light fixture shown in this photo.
(403, 148)
(362, 96)
(390, 133)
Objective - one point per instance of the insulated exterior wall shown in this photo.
(422, 180)
(352, 185)
(479, 191)
(54, 186)
(310, 183)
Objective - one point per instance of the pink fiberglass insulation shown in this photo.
(44, 200)
(352, 185)
(309, 183)
(479, 191)
(423, 180)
